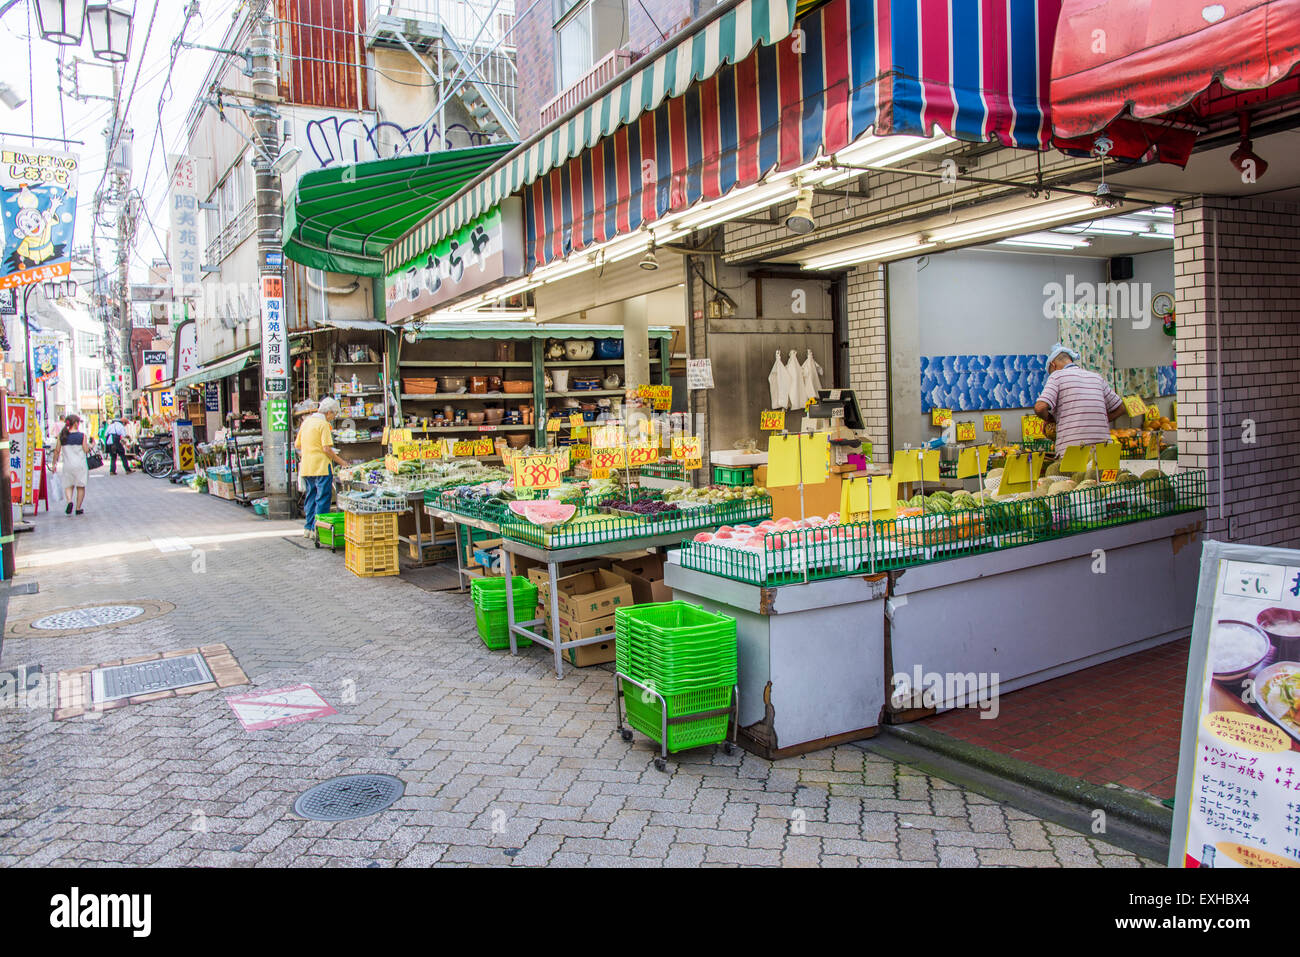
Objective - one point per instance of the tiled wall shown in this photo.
(1259, 338)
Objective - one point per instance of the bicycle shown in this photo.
(157, 462)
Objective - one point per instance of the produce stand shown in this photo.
(598, 538)
(811, 663)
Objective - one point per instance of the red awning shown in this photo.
(1130, 67)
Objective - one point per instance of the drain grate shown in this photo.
(96, 617)
(146, 677)
(353, 795)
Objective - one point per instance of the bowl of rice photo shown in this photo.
(1236, 649)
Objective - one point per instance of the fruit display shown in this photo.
(646, 508)
(712, 495)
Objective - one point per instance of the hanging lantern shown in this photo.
(61, 21)
(110, 32)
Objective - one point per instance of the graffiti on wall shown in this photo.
(340, 140)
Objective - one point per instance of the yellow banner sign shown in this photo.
(772, 420)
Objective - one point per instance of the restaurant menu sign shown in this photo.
(486, 251)
(1238, 796)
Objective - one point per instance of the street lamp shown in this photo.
(110, 32)
(61, 21)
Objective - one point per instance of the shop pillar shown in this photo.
(1237, 292)
(636, 343)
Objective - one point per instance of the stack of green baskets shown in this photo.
(489, 596)
(688, 655)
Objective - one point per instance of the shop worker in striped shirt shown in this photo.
(1080, 402)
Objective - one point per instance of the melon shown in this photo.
(703, 538)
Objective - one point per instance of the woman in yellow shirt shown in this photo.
(315, 445)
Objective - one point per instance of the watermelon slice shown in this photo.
(544, 512)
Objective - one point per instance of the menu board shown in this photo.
(1238, 794)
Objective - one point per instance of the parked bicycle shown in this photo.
(156, 456)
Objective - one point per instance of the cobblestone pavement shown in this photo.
(503, 764)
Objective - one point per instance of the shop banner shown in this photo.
(484, 252)
(183, 445)
(183, 202)
(185, 352)
(1238, 793)
(38, 196)
(211, 397)
(275, 340)
(20, 423)
(45, 357)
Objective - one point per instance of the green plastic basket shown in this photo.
(675, 646)
(730, 475)
(489, 593)
(647, 716)
(494, 629)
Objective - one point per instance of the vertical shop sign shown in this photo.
(185, 354)
(183, 203)
(38, 207)
(45, 358)
(20, 423)
(277, 411)
(183, 444)
(211, 397)
(1237, 802)
(275, 373)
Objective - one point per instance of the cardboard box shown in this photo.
(590, 595)
(537, 572)
(593, 654)
(646, 576)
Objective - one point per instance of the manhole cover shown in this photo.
(353, 795)
(97, 617)
(146, 677)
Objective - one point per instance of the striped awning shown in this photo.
(728, 35)
(977, 72)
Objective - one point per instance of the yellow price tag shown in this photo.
(992, 423)
(1135, 405)
(686, 449)
(940, 417)
(772, 420)
(392, 463)
(1031, 427)
(606, 459)
(1109, 475)
(608, 437)
(576, 434)
(464, 447)
(643, 453)
(965, 431)
(579, 452)
(660, 395)
(484, 447)
(1152, 414)
(540, 471)
(576, 420)
(553, 425)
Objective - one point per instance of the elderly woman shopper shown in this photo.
(318, 456)
(70, 450)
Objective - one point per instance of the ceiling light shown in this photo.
(801, 221)
(1045, 240)
(1013, 221)
(648, 261)
(61, 21)
(900, 247)
(1159, 212)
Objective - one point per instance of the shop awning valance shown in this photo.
(528, 330)
(974, 71)
(342, 219)
(218, 370)
(727, 35)
(364, 325)
(1128, 68)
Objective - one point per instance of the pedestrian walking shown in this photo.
(315, 445)
(71, 452)
(115, 444)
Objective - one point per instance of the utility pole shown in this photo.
(270, 221)
(119, 159)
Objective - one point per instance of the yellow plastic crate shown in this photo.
(370, 528)
(371, 561)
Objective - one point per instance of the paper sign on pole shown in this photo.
(540, 471)
(686, 449)
(992, 423)
(1108, 455)
(878, 492)
(930, 465)
(973, 461)
(1016, 475)
(815, 451)
(965, 431)
(782, 461)
(1031, 427)
(1077, 458)
(907, 466)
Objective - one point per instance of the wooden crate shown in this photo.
(221, 489)
(371, 561)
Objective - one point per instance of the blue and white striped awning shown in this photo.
(726, 37)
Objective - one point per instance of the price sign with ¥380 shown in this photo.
(540, 471)
(608, 458)
(686, 449)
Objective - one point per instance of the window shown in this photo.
(88, 344)
(585, 32)
(89, 380)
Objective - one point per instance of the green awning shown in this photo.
(725, 35)
(528, 330)
(219, 370)
(343, 218)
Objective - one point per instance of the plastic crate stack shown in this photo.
(686, 654)
(370, 543)
(489, 595)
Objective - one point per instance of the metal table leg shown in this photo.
(507, 569)
(555, 619)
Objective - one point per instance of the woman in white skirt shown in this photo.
(71, 451)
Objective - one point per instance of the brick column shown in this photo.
(1256, 348)
(868, 323)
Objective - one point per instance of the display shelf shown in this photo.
(466, 428)
(578, 393)
(468, 364)
(550, 363)
(357, 363)
(349, 395)
(475, 396)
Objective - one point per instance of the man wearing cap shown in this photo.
(1080, 402)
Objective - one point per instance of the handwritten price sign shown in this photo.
(608, 437)
(553, 425)
(608, 458)
(1135, 405)
(576, 420)
(965, 431)
(540, 471)
(686, 449)
(1109, 475)
(992, 423)
(465, 447)
(1152, 414)
(643, 453)
(579, 452)
(660, 395)
(940, 417)
(772, 420)
(1031, 427)
(484, 447)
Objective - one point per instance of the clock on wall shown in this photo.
(1162, 307)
